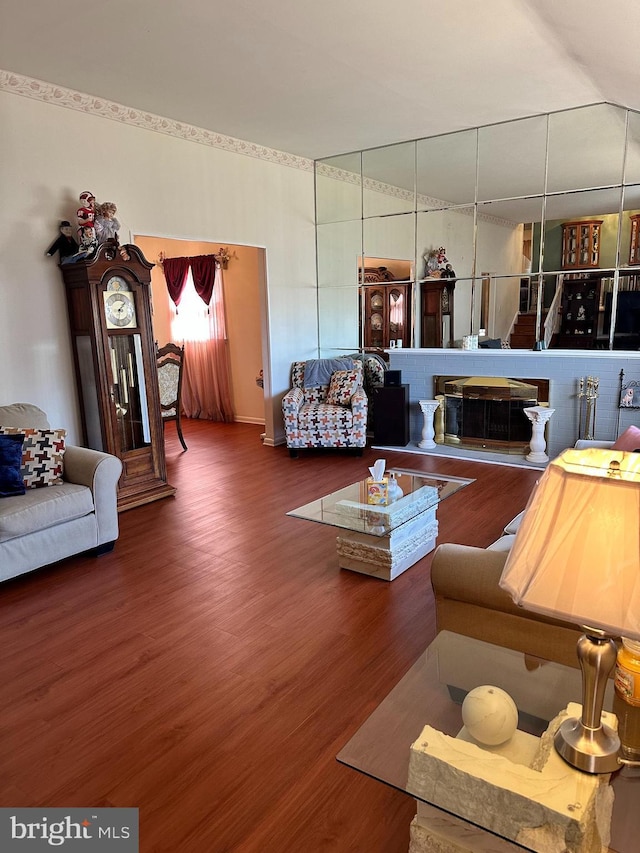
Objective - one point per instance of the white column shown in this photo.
(538, 415)
(428, 431)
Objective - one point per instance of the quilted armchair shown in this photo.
(331, 413)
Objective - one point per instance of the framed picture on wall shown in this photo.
(630, 395)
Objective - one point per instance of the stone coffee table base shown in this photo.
(388, 556)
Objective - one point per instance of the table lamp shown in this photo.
(576, 557)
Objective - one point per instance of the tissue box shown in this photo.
(378, 491)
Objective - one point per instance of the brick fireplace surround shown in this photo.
(563, 369)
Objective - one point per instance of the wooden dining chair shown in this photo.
(170, 363)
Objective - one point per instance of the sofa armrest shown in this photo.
(292, 401)
(100, 472)
(469, 601)
(466, 573)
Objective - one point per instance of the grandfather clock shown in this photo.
(114, 355)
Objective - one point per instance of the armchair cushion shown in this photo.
(343, 385)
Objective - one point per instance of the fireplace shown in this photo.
(486, 412)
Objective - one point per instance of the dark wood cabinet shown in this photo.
(437, 312)
(391, 415)
(581, 244)
(580, 313)
(108, 300)
(386, 314)
(634, 245)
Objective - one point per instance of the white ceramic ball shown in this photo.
(490, 715)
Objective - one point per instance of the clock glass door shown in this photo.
(128, 391)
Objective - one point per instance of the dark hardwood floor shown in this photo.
(210, 668)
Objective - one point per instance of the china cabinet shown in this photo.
(386, 314)
(634, 247)
(437, 312)
(580, 313)
(581, 244)
(108, 301)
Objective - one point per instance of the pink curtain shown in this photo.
(175, 272)
(206, 385)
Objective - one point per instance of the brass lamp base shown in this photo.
(591, 750)
(588, 744)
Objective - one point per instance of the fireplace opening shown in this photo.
(487, 412)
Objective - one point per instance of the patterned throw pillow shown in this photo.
(42, 455)
(343, 385)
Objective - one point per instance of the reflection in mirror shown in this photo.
(501, 245)
(596, 246)
(390, 237)
(586, 148)
(339, 247)
(339, 188)
(389, 179)
(511, 159)
(446, 170)
(525, 238)
(632, 161)
(338, 320)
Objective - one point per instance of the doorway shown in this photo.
(246, 324)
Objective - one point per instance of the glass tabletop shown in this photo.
(431, 693)
(348, 507)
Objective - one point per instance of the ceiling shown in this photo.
(320, 78)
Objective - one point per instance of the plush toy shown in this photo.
(86, 223)
(64, 244)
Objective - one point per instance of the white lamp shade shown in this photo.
(576, 555)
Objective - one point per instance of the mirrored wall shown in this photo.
(536, 216)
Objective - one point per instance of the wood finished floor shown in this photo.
(209, 670)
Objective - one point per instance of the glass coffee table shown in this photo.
(431, 693)
(384, 541)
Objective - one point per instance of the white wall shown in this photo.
(162, 185)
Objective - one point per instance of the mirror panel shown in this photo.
(632, 163)
(500, 243)
(586, 148)
(339, 246)
(598, 206)
(512, 158)
(338, 188)
(630, 227)
(454, 230)
(338, 320)
(390, 237)
(469, 193)
(388, 176)
(446, 170)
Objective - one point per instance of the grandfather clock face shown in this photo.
(119, 304)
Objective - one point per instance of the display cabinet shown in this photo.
(437, 312)
(386, 315)
(634, 246)
(108, 300)
(581, 244)
(580, 313)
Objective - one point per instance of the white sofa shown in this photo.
(48, 524)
